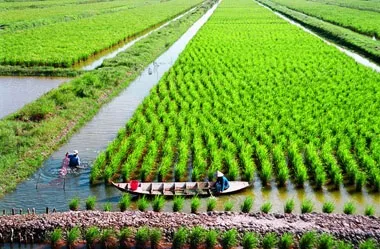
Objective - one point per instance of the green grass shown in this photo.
(250, 241)
(195, 204)
(266, 207)
(286, 241)
(349, 208)
(289, 206)
(178, 202)
(142, 204)
(55, 236)
(90, 202)
(196, 237)
(228, 205)
(269, 241)
(307, 206)
(124, 202)
(369, 211)
(229, 239)
(247, 205)
(73, 235)
(92, 235)
(155, 237)
(179, 238)
(74, 204)
(211, 204)
(308, 240)
(211, 239)
(328, 207)
(142, 237)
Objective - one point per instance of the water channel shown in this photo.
(46, 189)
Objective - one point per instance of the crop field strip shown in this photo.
(362, 21)
(62, 44)
(252, 94)
(353, 4)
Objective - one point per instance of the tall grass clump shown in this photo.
(269, 241)
(155, 238)
(92, 235)
(195, 204)
(196, 237)
(307, 206)
(211, 239)
(179, 238)
(289, 206)
(247, 205)
(108, 238)
(266, 207)
(369, 211)
(228, 206)
(349, 208)
(124, 202)
(325, 241)
(72, 236)
(74, 204)
(90, 202)
(142, 237)
(55, 237)
(286, 241)
(307, 240)
(229, 239)
(142, 204)
(343, 245)
(178, 202)
(124, 235)
(211, 204)
(328, 207)
(250, 241)
(369, 244)
(107, 207)
(158, 203)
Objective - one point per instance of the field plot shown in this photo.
(62, 34)
(349, 15)
(254, 94)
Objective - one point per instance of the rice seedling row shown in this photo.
(254, 94)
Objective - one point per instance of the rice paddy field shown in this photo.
(254, 95)
(62, 33)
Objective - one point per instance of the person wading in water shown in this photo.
(74, 159)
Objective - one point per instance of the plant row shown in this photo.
(158, 203)
(197, 237)
(241, 99)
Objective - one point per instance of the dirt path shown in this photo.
(354, 228)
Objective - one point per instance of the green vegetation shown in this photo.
(325, 241)
(83, 37)
(158, 203)
(369, 211)
(247, 205)
(142, 204)
(196, 237)
(92, 236)
(142, 237)
(328, 207)
(55, 237)
(307, 206)
(269, 241)
(125, 234)
(349, 208)
(74, 204)
(289, 206)
(108, 238)
(368, 244)
(308, 240)
(73, 235)
(266, 207)
(27, 140)
(90, 202)
(155, 237)
(286, 241)
(229, 239)
(250, 241)
(107, 207)
(211, 204)
(178, 202)
(179, 239)
(124, 202)
(228, 205)
(195, 204)
(211, 239)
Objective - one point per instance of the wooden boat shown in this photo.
(180, 188)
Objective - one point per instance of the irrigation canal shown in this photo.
(46, 189)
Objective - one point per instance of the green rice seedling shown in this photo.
(250, 241)
(179, 238)
(195, 204)
(125, 234)
(108, 238)
(229, 239)
(349, 208)
(307, 240)
(196, 237)
(360, 181)
(90, 202)
(325, 241)
(369, 244)
(155, 238)
(289, 206)
(269, 241)
(228, 206)
(211, 239)
(266, 207)
(107, 207)
(142, 204)
(55, 237)
(72, 236)
(178, 202)
(307, 206)
(142, 237)
(343, 245)
(92, 235)
(286, 241)
(247, 205)
(211, 204)
(282, 167)
(369, 211)
(124, 202)
(328, 207)
(74, 204)
(158, 203)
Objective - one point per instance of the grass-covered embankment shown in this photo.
(6, 70)
(343, 36)
(30, 135)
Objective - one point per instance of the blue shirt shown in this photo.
(74, 160)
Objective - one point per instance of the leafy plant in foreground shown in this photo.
(247, 205)
(250, 241)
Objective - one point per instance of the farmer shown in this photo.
(221, 182)
(74, 159)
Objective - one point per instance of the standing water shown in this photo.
(15, 92)
(46, 189)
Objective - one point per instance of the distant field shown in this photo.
(61, 33)
(360, 16)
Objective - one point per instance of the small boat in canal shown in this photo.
(179, 188)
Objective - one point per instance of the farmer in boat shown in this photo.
(221, 182)
(74, 159)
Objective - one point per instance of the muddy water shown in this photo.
(46, 189)
(15, 92)
(358, 58)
